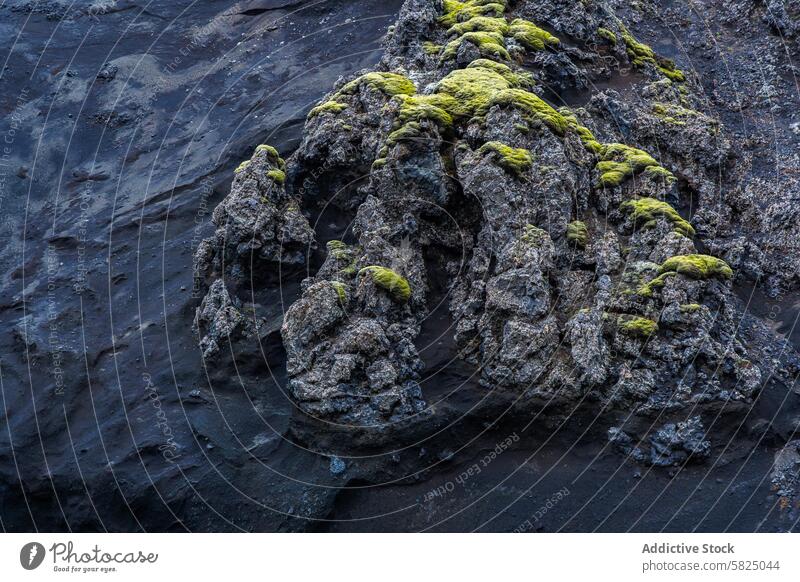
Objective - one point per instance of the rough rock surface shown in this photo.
(672, 444)
(577, 195)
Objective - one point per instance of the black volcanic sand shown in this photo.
(122, 128)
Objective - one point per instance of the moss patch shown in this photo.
(277, 176)
(480, 23)
(340, 291)
(431, 48)
(533, 235)
(692, 266)
(396, 285)
(578, 234)
(332, 107)
(455, 11)
(431, 107)
(620, 162)
(641, 55)
(608, 35)
(338, 250)
(586, 136)
(516, 80)
(646, 211)
(697, 267)
(513, 160)
(647, 289)
(531, 36)
(389, 83)
(532, 107)
(636, 326)
(490, 44)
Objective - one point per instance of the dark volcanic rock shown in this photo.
(531, 221)
(580, 276)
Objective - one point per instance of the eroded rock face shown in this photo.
(563, 235)
(258, 224)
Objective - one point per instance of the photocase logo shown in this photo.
(31, 555)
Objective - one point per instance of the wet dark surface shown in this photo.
(125, 125)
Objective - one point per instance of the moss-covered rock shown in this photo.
(641, 54)
(341, 291)
(490, 44)
(608, 35)
(515, 79)
(532, 107)
(278, 176)
(692, 266)
(480, 23)
(586, 136)
(645, 211)
(396, 285)
(635, 326)
(389, 83)
(455, 11)
(620, 162)
(578, 233)
(530, 35)
(514, 160)
(332, 107)
(697, 267)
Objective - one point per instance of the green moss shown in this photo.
(471, 89)
(608, 35)
(530, 35)
(490, 44)
(676, 114)
(396, 285)
(332, 107)
(471, 92)
(533, 235)
(692, 266)
(620, 162)
(647, 289)
(690, 307)
(515, 80)
(272, 153)
(640, 55)
(636, 326)
(278, 176)
(455, 11)
(577, 233)
(697, 267)
(480, 24)
(431, 48)
(409, 131)
(274, 157)
(586, 136)
(431, 107)
(513, 160)
(645, 211)
(338, 250)
(341, 291)
(389, 83)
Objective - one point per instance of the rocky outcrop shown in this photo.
(583, 247)
(258, 224)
